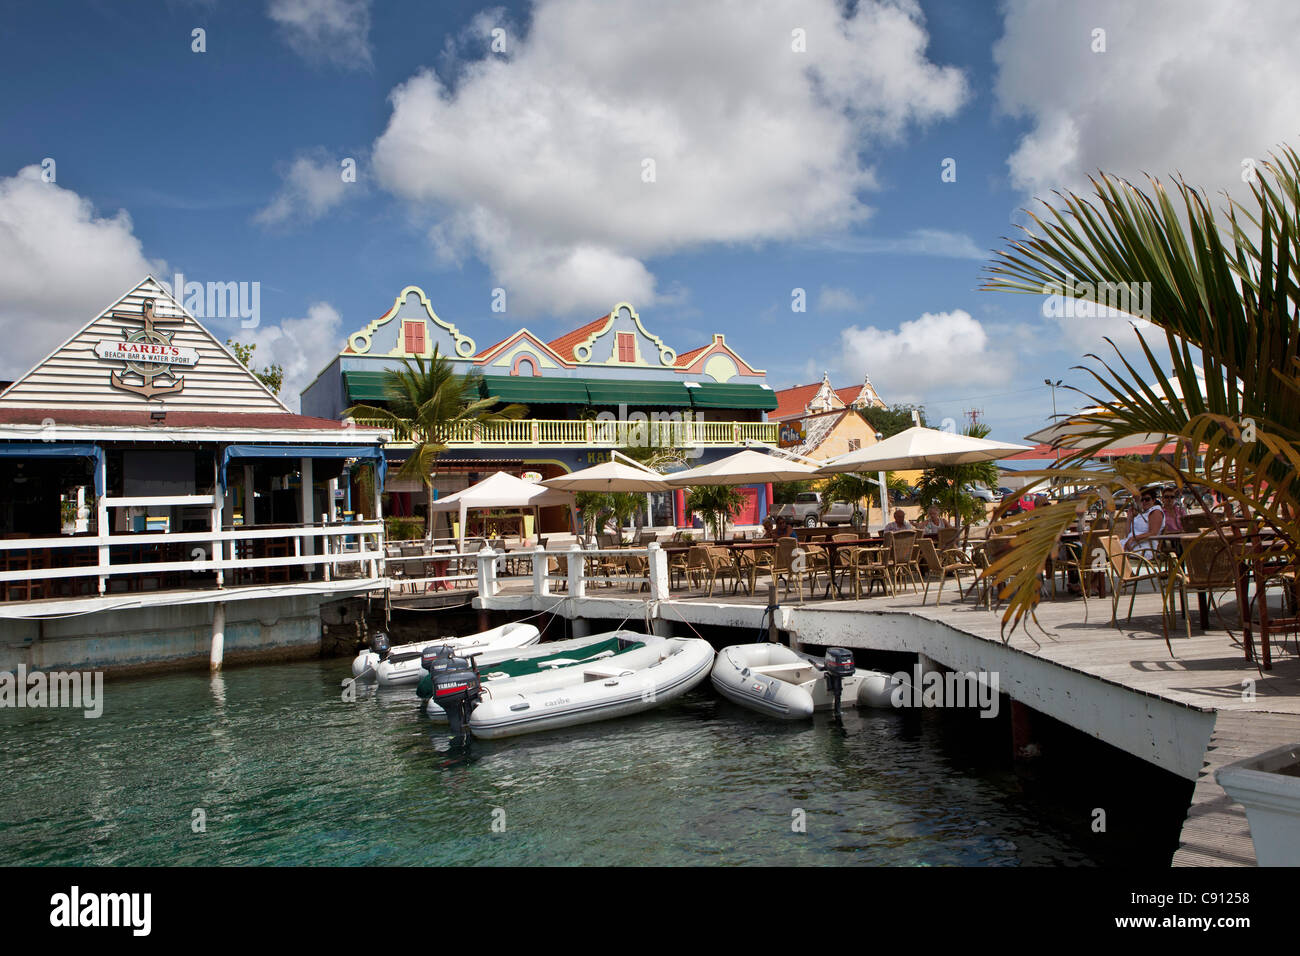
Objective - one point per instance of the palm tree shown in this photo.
(716, 503)
(944, 485)
(428, 404)
(1225, 296)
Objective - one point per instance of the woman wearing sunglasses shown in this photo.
(1148, 522)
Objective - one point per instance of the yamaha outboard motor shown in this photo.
(379, 644)
(457, 690)
(434, 660)
(839, 665)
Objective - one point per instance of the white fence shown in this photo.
(358, 543)
(576, 578)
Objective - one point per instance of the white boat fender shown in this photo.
(363, 665)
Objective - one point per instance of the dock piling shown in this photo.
(218, 637)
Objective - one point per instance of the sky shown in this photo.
(824, 183)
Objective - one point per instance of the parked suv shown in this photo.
(806, 510)
(980, 492)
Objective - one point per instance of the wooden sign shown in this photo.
(148, 355)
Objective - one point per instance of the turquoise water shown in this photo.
(286, 772)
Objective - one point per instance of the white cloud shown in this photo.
(1186, 86)
(336, 32)
(937, 352)
(313, 185)
(834, 299)
(534, 160)
(302, 346)
(60, 266)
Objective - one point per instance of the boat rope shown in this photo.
(661, 606)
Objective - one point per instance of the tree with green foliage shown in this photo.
(890, 421)
(945, 485)
(272, 376)
(855, 487)
(426, 404)
(1226, 295)
(717, 503)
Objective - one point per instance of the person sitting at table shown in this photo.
(769, 524)
(1173, 510)
(1148, 521)
(782, 529)
(933, 521)
(900, 522)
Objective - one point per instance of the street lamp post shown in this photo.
(1054, 386)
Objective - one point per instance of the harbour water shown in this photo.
(270, 765)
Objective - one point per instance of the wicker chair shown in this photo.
(952, 562)
(870, 565)
(901, 557)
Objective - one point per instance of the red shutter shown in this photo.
(626, 347)
(414, 337)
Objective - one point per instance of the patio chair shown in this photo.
(1128, 569)
(1207, 565)
(947, 538)
(871, 565)
(952, 562)
(722, 567)
(900, 557)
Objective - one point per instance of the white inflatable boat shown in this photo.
(400, 665)
(575, 682)
(775, 680)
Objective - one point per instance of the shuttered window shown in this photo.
(626, 347)
(414, 335)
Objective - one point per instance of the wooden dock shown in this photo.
(1208, 673)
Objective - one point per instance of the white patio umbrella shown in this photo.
(743, 468)
(500, 491)
(920, 448)
(611, 475)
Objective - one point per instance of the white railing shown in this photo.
(576, 579)
(217, 558)
(584, 433)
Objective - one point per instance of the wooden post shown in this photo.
(1022, 732)
(250, 497)
(577, 585)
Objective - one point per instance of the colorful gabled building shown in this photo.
(608, 384)
(820, 421)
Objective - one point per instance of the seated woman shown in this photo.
(1148, 521)
(932, 522)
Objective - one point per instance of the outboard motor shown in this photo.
(839, 665)
(457, 690)
(434, 660)
(379, 644)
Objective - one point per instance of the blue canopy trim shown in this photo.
(58, 449)
(373, 453)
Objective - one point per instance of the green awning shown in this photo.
(364, 386)
(612, 391)
(533, 390)
(715, 395)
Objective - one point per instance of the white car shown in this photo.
(980, 492)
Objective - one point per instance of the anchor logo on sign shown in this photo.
(146, 369)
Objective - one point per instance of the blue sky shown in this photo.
(776, 169)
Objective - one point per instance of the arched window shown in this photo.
(525, 366)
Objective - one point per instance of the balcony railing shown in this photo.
(610, 434)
